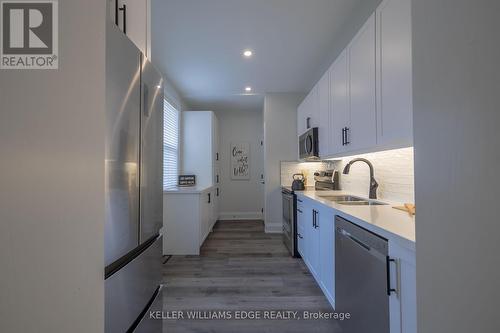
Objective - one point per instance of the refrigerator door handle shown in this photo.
(145, 96)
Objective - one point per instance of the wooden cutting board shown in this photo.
(409, 208)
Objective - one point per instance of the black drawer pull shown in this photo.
(388, 270)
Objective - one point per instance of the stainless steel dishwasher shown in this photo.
(361, 278)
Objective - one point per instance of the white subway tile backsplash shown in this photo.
(393, 172)
(288, 168)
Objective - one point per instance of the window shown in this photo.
(170, 145)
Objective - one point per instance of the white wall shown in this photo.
(456, 85)
(280, 144)
(241, 199)
(393, 171)
(52, 134)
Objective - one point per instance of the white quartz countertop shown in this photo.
(384, 220)
(187, 190)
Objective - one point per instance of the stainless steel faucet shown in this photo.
(373, 182)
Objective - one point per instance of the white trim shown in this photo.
(274, 228)
(226, 216)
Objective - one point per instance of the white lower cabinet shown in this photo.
(403, 301)
(300, 229)
(326, 224)
(316, 245)
(315, 227)
(188, 218)
(312, 244)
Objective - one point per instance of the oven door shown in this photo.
(288, 221)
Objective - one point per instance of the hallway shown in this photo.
(242, 269)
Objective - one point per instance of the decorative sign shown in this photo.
(240, 161)
(187, 180)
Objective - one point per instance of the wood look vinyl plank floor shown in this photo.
(241, 268)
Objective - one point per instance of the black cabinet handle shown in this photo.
(123, 9)
(209, 198)
(217, 191)
(314, 219)
(388, 271)
(217, 179)
(316, 213)
(216, 156)
(299, 200)
(299, 210)
(347, 129)
(116, 12)
(300, 236)
(343, 136)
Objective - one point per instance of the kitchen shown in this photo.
(264, 165)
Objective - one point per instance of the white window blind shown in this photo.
(170, 145)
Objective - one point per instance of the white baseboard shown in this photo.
(225, 216)
(274, 228)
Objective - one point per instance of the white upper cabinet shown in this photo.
(362, 132)
(370, 89)
(394, 72)
(301, 116)
(307, 112)
(313, 108)
(132, 17)
(199, 146)
(339, 103)
(324, 115)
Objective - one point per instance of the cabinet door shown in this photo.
(307, 112)
(403, 302)
(197, 151)
(313, 242)
(216, 175)
(339, 104)
(301, 116)
(304, 215)
(133, 21)
(215, 206)
(324, 115)
(215, 140)
(326, 227)
(301, 240)
(313, 107)
(362, 130)
(206, 217)
(394, 68)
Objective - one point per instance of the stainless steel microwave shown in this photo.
(309, 145)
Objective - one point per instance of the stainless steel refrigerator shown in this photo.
(134, 183)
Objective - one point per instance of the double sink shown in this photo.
(350, 200)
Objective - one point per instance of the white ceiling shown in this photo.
(198, 44)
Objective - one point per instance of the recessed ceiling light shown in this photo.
(248, 89)
(248, 53)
